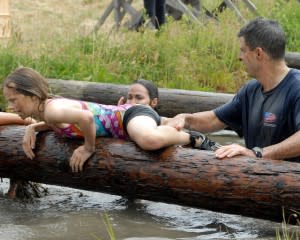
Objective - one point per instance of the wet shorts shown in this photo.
(139, 110)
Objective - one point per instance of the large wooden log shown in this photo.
(240, 185)
(172, 101)
(293, 59)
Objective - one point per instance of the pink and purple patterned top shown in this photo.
(108, 120)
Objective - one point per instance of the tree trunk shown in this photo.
(171, 101)
(293, 59)
(240, 185)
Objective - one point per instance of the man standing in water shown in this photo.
(266, 111)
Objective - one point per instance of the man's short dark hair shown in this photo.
(266, 34)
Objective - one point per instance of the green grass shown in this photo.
(108, 226)
(289, 232)
(181, 55)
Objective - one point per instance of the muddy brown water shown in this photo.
(71, 214)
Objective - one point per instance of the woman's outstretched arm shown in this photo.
(7, 118)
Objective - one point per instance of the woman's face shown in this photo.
(138, 94)
(19, 103)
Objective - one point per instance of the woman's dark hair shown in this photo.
(151, 88)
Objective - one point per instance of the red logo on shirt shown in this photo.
(269, 117)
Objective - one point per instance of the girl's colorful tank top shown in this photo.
(108, 120)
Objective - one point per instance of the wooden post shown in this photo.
(251, 6)
(231, 5)
(120, 7)
(180, 6)
(4, 19)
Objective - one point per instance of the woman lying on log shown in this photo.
(144, 92)
(27, 93)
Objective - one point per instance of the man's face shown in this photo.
(249, 58)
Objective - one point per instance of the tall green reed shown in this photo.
(183, 54)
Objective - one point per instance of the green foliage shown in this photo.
(288, 14)
(7, 62)
(289, 232)
(286, 234)
(182, 54)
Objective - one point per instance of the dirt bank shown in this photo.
(39, 20)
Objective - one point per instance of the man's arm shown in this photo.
(202, 121)
(289, 148)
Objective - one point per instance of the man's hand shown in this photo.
(177, 122)
(79, 157)
(233, 150)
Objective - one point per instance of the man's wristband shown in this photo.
(257, 151)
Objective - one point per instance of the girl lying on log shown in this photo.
(144, 92)
(27, 94)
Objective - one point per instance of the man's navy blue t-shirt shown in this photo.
(265, 118)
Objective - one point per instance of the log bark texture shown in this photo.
(240, 185)
(171, 101)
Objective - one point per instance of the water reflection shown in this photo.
(73, 214)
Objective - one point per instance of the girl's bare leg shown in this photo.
(12, 191)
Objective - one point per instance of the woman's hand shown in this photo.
(29, 120)
(29, 141)
(233, 150)
(79, 157)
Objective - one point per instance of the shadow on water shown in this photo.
(71, 214)
(74, 214)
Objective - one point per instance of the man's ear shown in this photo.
(259, 52)
(154, 102)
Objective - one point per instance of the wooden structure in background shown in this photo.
(120, 8)
(4, 19)
(196, 8)
(193, 11)
(232, 4)
(259, 188)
